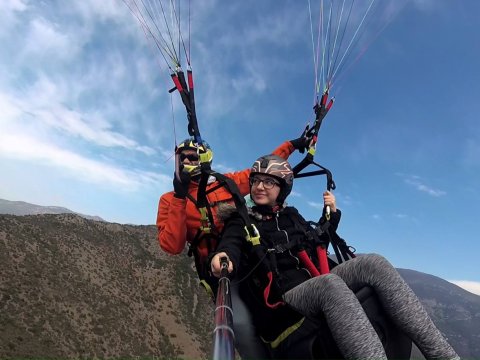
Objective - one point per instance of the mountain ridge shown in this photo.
(22, 208)
(74, 287)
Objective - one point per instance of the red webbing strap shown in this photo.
(307, 262)
(323, 260)
(190, 79)
(177, 83)
(266, 293)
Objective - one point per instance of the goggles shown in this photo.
(191, 157)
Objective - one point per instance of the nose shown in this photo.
(260, 183)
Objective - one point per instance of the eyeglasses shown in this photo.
(191, 157)
(267, 182)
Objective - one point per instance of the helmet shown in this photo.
(277, 167)
(203, 150)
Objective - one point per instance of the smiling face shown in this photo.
(264, 190)
(189, 157)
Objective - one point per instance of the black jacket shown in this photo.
(282, 235)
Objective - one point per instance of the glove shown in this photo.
(180, 186)
(302, 143)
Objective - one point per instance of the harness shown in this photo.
(309, 242)
(207, 232)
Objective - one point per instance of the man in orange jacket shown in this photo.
(178, 218)
(179, 221)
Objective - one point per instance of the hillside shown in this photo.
(76, 288)
(71, 287)
(456, 311)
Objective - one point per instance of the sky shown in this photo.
(87, 122)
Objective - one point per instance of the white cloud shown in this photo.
(43, 103)
(316, 205)
(295, 194)
(11, 108)
(99, 10)
(10, 11)
(13, 5)
(418, 184)
(79, 167)
(47, 40)
(472, 286)
(75, 124)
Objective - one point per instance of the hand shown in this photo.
(215, 264)
(329, 200)
(180, 186)
(303, 142)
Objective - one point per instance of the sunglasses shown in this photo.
(267, 182)
(191, 157)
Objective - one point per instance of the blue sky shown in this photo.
(86, 120)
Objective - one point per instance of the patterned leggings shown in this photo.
(356, 338)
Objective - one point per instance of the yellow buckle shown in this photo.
(255, 239)
(204, 222)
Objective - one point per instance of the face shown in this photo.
(264, 190)
(189, 157)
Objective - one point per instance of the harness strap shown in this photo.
(321, 250)
(286, 333)
(323, 259)
(188, 99)
(343, 252)
(302, 255)
(251, 232)
(207, 229)
(340, 246)
(207, 288)
(266, 293)
(321, 109)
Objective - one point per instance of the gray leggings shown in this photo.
(355, 336)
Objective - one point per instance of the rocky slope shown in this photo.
(72, 287)
(76, 288)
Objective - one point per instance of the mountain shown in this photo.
(23, 208)
(456, 312)
(76, 288)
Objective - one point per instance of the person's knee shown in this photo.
(378, 262)
(330, 282)
(316, 293)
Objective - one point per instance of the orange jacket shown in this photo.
(178, 220)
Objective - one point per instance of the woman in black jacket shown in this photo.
(282, 287)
